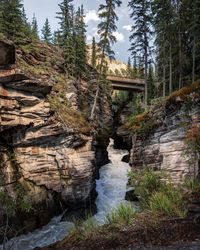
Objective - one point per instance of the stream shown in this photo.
(111, 189)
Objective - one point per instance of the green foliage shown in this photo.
(145, 183)
(157, 194)
(7, 202)
(94, 54)
(84, 229)
(23, 203)
(12, 204)
(124, 214)
(46, 32)
(192, 186)
(72, 118)
(106, 27)
(11, 19)
(168, 203)
(34, 28)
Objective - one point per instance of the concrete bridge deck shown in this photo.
(125, 83)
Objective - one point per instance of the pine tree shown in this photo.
(67, 34)
(141, 33)
(135, 67)
(129, 70)
(165, 33)
(34, 28)
(46, 32)
(11, 19)
(66, 20)
(80, 43)
(93, 56)
(57, 38)
(26, 24)
(151, 89)
(108, 16)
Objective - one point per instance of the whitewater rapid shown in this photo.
(111, 189)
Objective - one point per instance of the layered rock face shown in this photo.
(165, 147)
(50, 158)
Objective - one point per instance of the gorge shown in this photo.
(52, 153)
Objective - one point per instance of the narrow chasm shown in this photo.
(111, 190)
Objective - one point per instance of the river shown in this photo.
(111, 189)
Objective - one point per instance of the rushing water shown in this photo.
(111, 188)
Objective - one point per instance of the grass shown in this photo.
(124, 214)
(157, 194)
(73, 118)
(170, 204)
(84, 229)
(145, 182)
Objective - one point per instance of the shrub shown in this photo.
(157, 194)
(122, 215)
(168, 202)
(192, 186)
(145, 182)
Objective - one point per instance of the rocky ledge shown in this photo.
(47, 152)
(164, 138)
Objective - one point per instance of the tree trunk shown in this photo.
(164, 74)
(193, 59)
(95, 103)
(164, 81)
(145, 78)
(170, 68)
(179, 45)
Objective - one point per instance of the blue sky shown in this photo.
(48, 8)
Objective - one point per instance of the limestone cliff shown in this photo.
(163, 138)
(48, 146)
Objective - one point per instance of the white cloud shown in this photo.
(127, 27)
(91, 15)
(89, 38)
(119, 36)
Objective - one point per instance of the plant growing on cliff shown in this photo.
(10, 205)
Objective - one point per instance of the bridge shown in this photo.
(125, 83)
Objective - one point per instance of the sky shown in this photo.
(47, 9)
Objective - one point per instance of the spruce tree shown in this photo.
(67, 34)
(34, 28)
(129, 69)
(163, 11)
(26, 24)
(80, 43)
(93, 56)
(46, 32)
(57, 37)
(151, 86)
(66, 20)
(141, 33)
(108, 16)
(11, 19)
